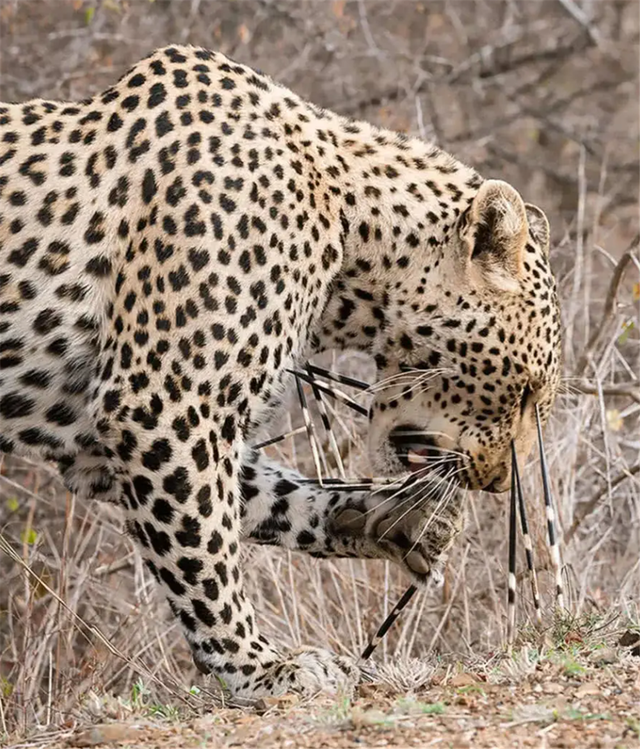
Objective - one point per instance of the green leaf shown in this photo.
(29, 536)
(627, 327)
(432, 708)
(89, 14)
(6, 687)
(12, 504)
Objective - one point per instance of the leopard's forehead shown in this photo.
(524, 325)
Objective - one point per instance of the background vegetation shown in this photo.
(543, 94)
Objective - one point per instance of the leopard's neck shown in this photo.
(399, 200)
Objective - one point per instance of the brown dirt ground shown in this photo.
(586, 703)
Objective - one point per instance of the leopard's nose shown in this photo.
(498, 484)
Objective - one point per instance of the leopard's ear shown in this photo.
(538, 226)
(496, 233)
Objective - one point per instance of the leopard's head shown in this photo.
(472, 350)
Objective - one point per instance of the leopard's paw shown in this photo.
(414, 537)
(305, 671)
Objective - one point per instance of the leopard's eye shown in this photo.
(524, 399)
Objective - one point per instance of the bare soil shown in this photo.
(595, 709)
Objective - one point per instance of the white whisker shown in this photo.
(416, 504)
(408, 376)
(448, 495)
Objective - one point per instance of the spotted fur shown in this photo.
(172, 246)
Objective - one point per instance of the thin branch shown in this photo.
(366, 29)
(610, 307)
(581, 17)
(629, 389)
(590, 506)
(489, 66)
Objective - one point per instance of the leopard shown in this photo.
(171, 247)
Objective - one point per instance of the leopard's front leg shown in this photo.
(182, 504)
(413, 526)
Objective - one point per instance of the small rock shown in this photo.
(553, 688)
(588, 688)
(604, 657)
(461, 680)
(109, 733)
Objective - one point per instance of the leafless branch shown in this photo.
(581, 17)
(489, 65)
(629, 389)
(609, 311)
(589, 507)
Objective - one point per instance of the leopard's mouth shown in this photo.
(415, 449)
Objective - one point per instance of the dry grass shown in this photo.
(570, 689)
(537, 93)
